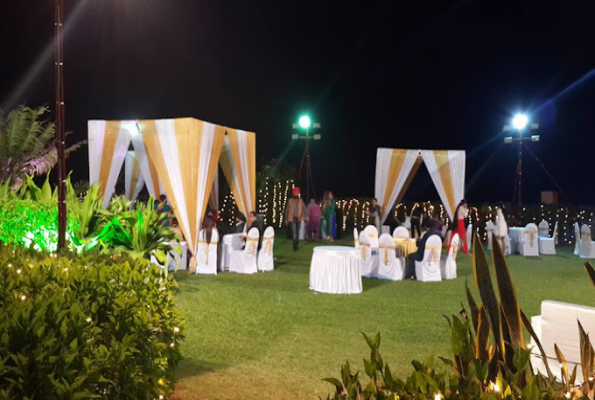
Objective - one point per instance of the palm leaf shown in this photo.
(590, 271)
(508, 298)
(531, 331)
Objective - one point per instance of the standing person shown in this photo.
(313, 220)
(458, 225)
(295, 214)
(323, 208)
(501, 226)
(240, 223)
(374, 213)
(331, 217)
(416, 214)
(208, 225)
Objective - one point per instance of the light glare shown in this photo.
(520, 121)
(304, 122)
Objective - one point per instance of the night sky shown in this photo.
(410, 74)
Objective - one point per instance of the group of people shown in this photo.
(321, 219)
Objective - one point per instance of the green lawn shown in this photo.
(267, 336)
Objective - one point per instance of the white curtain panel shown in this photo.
(141, 154)
(384, 158)
(447, 170)
(244, 193)
(114, 138)
(214, 196)
(237, 194)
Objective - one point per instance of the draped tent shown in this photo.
(395, 169)
(178, 157)
(108, 144)
(133, 180)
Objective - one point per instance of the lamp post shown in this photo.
(60, 129)
(304, 124)
(520, 122)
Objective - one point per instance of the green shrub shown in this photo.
(90, 327)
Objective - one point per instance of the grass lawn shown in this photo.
(267, 336)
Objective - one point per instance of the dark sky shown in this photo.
(410, 74)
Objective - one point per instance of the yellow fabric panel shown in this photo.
(154, 176)
(226, 166)
(149, 132)
(251, 150)
(134, 177)
(218, 142)
(112, 129)
(396, 164)
(443, 164)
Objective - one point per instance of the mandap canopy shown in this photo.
(395, 168)
(177, 157)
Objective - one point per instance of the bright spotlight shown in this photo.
(520, 121)
(305, 122)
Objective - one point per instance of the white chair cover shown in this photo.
(401, 232)
(230, 243)
(529, 245)
(490, 233)
(355, 238)
(244, 261)
(577, 239)
(428, 270)
(266, 261)
(390, 267)
(544, 229)
(372, 235)
(508, 249)
(587, 249)
(369, 264)
(448, 267)
(177, 258)
(212, 252)
(470, 236)
(547, 245)
(201, 255)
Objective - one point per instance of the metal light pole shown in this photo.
(305, 124)
(519, 124)
(60, 129)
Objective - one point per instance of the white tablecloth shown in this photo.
(516, 237)
(335, 269)
(229, 243)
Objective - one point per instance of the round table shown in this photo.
(405, 246)
(335, 269)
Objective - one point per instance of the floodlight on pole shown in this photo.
(305, 124)
(519, 123)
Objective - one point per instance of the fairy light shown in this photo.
(18, 271)
(23, 297)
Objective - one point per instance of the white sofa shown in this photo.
(557, 324)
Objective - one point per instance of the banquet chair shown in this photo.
(244, 261)
(577, 239)
(369, 263)
(529, 246)
(212, 252)
(373, 235)
(587, 246)
(401, 232)
(385, 229)
(407, 224)
(547, 245)
(201, 255)
(355, 238)
(508, 247)
(390, 266)
(490, 233)
(266, 261)
(428, 270)
(470, 237)
(448, 267)
(544, 229)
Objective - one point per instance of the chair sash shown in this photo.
(386, 249)
(251, 242)
(363, 247)
(434, 249)
(544, 230)
(267, 243)
(356, 242)
(531, 238)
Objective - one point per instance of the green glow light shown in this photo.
(305, 122)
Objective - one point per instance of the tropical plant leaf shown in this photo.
(590, 271)
(472, 307)
(587, 356)
(531, 331)
(508, 297)
(482, 337)
(483, 281)
(563, 365)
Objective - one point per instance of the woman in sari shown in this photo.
(331, 217)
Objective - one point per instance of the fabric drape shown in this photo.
(214, 195)
(185, 152)
(447, 170)
(393, 170)
(108, 144)
(238, 162)
(133, 180)
(147, 167)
